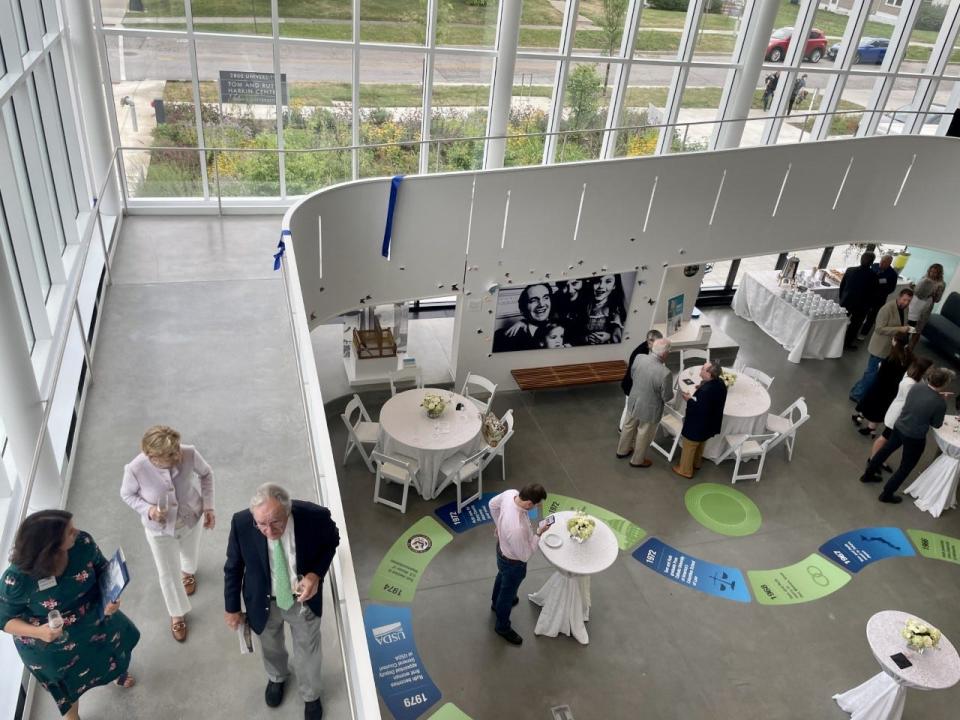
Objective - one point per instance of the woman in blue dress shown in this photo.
(54, 566)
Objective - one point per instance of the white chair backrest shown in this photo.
(355, 404)
(477, 458)
(758, 375)
(691, 354)
(379, 458)
(479, 381)
(796, 413)
(507, 420)
(403, 376)
(768, 441)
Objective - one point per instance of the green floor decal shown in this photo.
(807, 580)
(935, 546)
(450, 712)
(627, 533)
(399, 572)
(722, 509)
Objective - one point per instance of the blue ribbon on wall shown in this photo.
(388, 231)
(281, 249)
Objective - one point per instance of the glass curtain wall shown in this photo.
(366, 88)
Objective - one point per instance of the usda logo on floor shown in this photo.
(419, 543)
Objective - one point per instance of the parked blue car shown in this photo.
(870, 50)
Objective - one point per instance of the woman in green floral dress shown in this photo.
(54, 566)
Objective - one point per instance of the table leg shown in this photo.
(563, 607)
(879, 698)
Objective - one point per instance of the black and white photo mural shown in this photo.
(563, 313)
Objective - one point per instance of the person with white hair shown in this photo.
(652, 387)
(277, 556)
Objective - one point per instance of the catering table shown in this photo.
(758, 299)
(406, 429)
(936, 487)
(565, 597)
(883, 696)
(744, 413)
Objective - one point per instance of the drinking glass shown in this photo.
(163, 505)
(296, 587)
(55, 620)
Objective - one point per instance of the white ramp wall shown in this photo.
(705, 206)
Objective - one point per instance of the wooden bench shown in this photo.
(542, 378)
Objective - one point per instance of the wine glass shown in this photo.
(296, 587)
(55, 621)
(163, 505)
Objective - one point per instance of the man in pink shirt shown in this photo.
(516, 543)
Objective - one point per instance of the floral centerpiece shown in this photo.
(581, 526)
(920, 636)
(434, 405)
(728, 378)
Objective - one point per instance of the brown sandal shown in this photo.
(189, 583)
(126, 680)
(179, 630)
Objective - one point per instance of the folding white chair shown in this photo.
(484, 385)
(402, 377)
(749, 447)
(672, 422)
(460, 469)
(688, 355)
(397, 469)
(759, 375)
(501, 448)
(787, 422)
(360, 432)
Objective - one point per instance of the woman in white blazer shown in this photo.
(159, 484)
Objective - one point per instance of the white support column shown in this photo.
(688, 41)
(278, 96)
(355, 92)
(198, 110)
(791, 64)
(953, 102)
(20, 402)
(896, 51)
(92, 77)
(501, 82)
(560, 80)
(741, 85)
(939, 57)
(621, 80)
(847, 53)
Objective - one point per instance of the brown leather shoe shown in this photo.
(179, 630)
(189, 583)
(647, 462)
(676, 469)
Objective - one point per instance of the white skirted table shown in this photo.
(935, 489)
(758, 299)
(883, 696)
(405, 429)
(744, 413)
(565, 597)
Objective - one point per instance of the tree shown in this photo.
(611, 27)
(584, 91)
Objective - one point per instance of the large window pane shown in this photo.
(586, 99)
(529, 105)
(320, 115)
(803, 103)
(923, 35)
(695, 119)
(540, 25)
(153, 99)
(390, 112)
(854, 98)
(157, 14)
(603, 32)
(11, 262)
(644, 105)
(43, 149)
(718, 30)
(659, 29)
(715, 275)
(461, 93)
(326, 19)
(393, 21)
(468, 23)
(822, 41)
(247, 17)
(51, 117)
(899, 110)
(757, 262)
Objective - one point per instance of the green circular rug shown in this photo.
(722, 509)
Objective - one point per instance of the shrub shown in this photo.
(930, 16)
(674, 5)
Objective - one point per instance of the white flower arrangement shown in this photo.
(728, 378)
(920, 636)
(434, 404)
(581, 526)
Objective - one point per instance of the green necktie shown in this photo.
(281, 576)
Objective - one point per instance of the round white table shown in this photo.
(883, 696)
(936, 487)
(744, 413)
(565, 597)
(405, 429)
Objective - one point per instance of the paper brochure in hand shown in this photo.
(113, 580)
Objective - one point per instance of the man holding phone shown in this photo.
(703, 420)
(516, 543)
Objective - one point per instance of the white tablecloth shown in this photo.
(744, 413)
(406, 429)
(883, 696)
(565, 597)
(758, 299)
(936, 488)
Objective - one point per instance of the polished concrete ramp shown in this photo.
(194, 334)
(658, 650)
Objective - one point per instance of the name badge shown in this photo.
(883, 281)
(46, 583)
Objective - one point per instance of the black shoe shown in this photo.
(866, 431)
(892, 499)
(313, 710)
(857, 418)
(274, 693)
(625, 455)
(515, 602)
(887, 468)
(870, 478)
(510, 636)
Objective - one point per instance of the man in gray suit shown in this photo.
(652, 387)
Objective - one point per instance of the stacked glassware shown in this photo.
(813, 305)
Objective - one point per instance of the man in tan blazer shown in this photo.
(891, 320)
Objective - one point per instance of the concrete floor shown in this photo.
(659, 650)
(194, 334)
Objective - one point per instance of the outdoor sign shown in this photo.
(858, 548)
(807, 580)
(251, 88)
(401, 679)
(399, 572)
(725, 582)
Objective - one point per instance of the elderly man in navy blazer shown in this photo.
(703, 419)
(277, 556)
